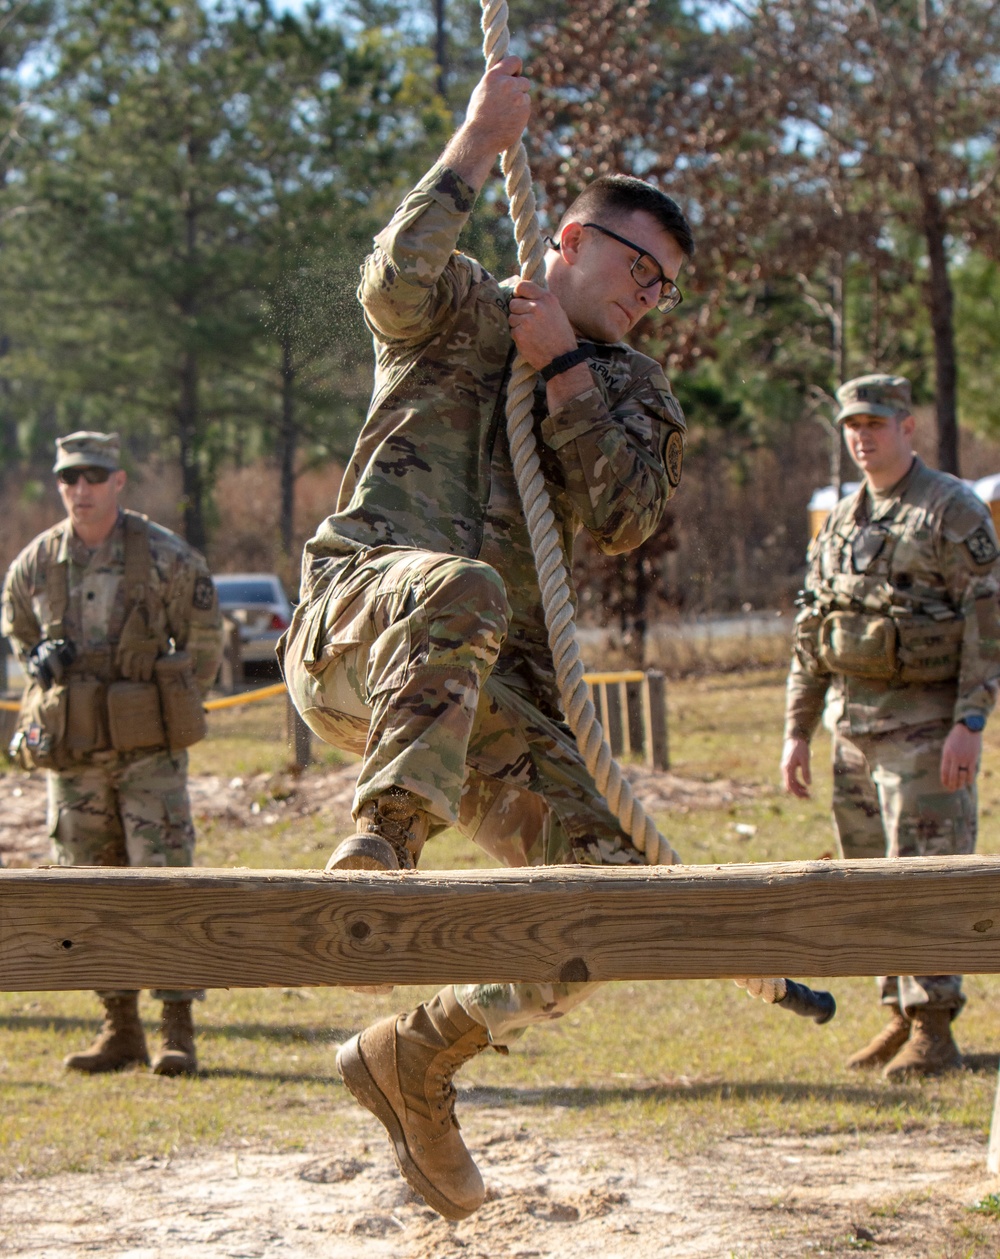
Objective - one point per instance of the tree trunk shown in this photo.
(943, 326)
(187, 428)
(187, 409)
(441, 49)
(287, 451)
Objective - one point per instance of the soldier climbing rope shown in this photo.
(551, 565)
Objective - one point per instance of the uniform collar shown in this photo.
(73, 548)
(870, 505)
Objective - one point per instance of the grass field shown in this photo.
(682, 1062)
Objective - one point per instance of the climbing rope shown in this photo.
(550, 563)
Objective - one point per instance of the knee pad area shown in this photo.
(467, 607)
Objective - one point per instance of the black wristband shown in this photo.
(563, 362)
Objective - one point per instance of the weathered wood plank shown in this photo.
(83, 928)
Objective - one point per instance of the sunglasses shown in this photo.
(93, 476)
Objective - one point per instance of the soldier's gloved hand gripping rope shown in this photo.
(551, 566)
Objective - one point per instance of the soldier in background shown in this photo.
(116, 622)
(898, 635)
(420, 641)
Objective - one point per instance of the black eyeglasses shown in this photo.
(646, 271)
(93, 476)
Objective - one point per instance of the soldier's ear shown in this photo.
(569, 242)
(908, 424)
(119, 478)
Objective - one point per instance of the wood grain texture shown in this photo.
(91, 927)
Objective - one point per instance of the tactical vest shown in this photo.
(866, 618)
(140, 592)
(130, 696)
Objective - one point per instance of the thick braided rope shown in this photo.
(553, 578)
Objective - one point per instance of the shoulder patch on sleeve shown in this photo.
(204, 594)
(982, 546)
(673, 457)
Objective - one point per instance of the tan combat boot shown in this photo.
(177, 1057)
(391, 831)
(120, 1042)
(401, 1069)
(883, 1047)
(930, 1048)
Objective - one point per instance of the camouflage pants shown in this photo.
(888, 801)
(115, 812)
(394, 659)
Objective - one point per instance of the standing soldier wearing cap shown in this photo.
(117, 624)
(898, 635)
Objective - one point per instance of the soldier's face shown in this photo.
(92, 508)
(597, 288)
(879, 443)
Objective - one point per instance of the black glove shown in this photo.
(48, 660)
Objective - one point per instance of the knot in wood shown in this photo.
(574, 971)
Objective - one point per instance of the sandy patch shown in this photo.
(904, 1195)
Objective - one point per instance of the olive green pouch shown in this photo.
(858, 645)
(930, 651)
(180, 700)
(134, 720)
(40, 736)
(86, 718)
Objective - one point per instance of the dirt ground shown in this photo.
(265, 799)
(904, 1195)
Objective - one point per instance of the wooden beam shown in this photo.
(95, 927)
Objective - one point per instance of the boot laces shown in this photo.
(444, 1099)
(393, 818)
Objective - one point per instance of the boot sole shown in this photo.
(362, 852)
(174, 1068)
(106, 1070)
(359, 1080)
(920, 1072)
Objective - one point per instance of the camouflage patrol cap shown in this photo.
(874, 395)
(88, 450)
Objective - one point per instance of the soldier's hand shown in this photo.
(137, 648)
(499, 107)
(539, 325)
(960, 757)
(795, 772)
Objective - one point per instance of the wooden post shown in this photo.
(993, 1152)
(636, 725)
(654, 698)
(614, 728)
(623, 717)
(230, 677)
(298, 736)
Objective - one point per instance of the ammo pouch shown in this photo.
(858, 645)
(180, 700)
(805, 641)
(929, 651)
(41, 727)
(134, 721)
(86, 718)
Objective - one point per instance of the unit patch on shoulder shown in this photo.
(204, 594)
(673, 458)
(981, 546)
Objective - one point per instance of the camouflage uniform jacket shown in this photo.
(941, 559)
(181, 599)
(432, 467)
